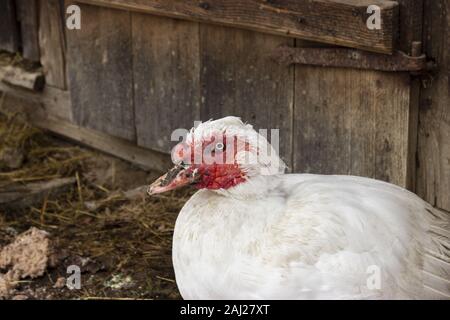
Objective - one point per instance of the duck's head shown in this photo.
(217, 155)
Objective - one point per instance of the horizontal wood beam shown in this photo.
(51, 100)
(338, 22)
(41, 110)
(14, 75)
(352, 58)
(118, 147)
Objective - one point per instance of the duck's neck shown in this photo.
(254, 188)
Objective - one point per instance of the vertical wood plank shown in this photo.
(238, 78)
(166, 68)
(338, 22)
(321, 121)
(351, 122)
(52, 43)
(433, 173)
(100, 71)
(410, 20)
(391, 98)
(27, 11)
(9, 35)
(360, 122)
(410, 30)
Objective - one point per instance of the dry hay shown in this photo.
(118, 237)
(16, 59)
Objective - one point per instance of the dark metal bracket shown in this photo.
(352, 58)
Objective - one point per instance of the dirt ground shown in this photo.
(122, 245)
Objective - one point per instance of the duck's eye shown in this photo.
(219, 146)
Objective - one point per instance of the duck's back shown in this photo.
(307, 237)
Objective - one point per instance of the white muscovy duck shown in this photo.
(252, 232)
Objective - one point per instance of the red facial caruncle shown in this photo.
(210, 163)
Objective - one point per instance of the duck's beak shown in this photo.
(176, 177)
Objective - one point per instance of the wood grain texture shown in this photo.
(410, 31)
(40, 110)
(239, 78)
(433, 173)
(340, 22)
(9, 33)
(32, 80)
(410, 23)
(121, 148)
(166, 68)
(351, 122)
(101, 72)
(51, 101)
(52, 43)
(360, 122)
(27, 12)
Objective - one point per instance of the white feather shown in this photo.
(300, 236)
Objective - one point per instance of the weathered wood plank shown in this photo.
(410, 31)
(32, 80)
(351, 122)
(350, 58)
(27, 12)
(9, 33)
(341, 22)
(39, 110)
(410, 23)
(51, 101)
(433, 173)
(121, 148)
(359, 122)
(52, 43)
(321, 130)
(239, 78)
(166, 68)
(101, 72)
(392, 98)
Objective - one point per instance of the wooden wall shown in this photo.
(433, 171)
(351, 122)
(136, 77)
(101, 72)
(9, 35)
(139, 76)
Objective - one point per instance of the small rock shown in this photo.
(120, 281)
(60, 283)
(20, 297)
(26, 256)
